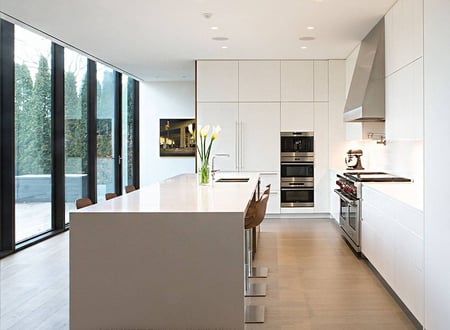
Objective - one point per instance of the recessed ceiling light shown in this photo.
(303, 47)
(306, 38)
(224, 47)
(310, 27)
(214, 27)
(220, 38)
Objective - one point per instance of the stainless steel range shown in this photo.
(349, 192)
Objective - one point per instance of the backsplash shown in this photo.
(403, 158)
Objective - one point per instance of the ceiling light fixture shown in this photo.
(310, 27)
(303, 47)
(220, 38)
(224, 47)
(214, 27)
(306, 38)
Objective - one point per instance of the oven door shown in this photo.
(297, 197)
(349, 219)
(297, 170)
(297, 142)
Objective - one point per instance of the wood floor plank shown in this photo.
(315, 282)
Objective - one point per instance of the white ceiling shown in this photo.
(160, 39)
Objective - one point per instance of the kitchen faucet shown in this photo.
(213, 171)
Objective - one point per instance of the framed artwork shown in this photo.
(177, 138)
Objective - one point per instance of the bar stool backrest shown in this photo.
(130, 188)
(83, 202)
(110, 196)
(256, 212)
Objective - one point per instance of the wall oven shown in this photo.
(297, 169)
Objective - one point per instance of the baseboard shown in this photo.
(299, 216)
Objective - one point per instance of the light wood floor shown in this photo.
(315, 282)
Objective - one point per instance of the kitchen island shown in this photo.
(167, 256)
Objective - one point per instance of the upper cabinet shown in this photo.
(217, 81)
(404, 103)
(321, 81)
(297, 116)
(297, 81)
(259, 81)
(404, 34)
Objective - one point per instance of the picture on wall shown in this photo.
(177, 138)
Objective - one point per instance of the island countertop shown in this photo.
(182, 193)
(166, 256)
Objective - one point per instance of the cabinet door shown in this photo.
(404, 34)
(259, 81)
(321, 202)
(404, 103)
(297, 81)
(321, 81)
(259, 136)
(217, 81)
(297, 117)
(226, 116)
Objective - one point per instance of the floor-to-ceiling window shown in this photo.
(128, 119)
(33, 147)
(62, 118)
(76, 131)
(106, 122)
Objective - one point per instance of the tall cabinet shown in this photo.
(253, 101)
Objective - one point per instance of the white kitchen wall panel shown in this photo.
(404, 103)
(321, 180)
(225, 115)
(297, 117)
(403, 34)
(259, 81)
(297, 81)
(259, 125)
(321, 81)
(217, 81)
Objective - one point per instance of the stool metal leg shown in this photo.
(251, 289)
(255, 272)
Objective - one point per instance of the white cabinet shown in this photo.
(321, 81)
(297, 81)
(404, 34)
(392, 240)
(297, 117)
(217, 81)
(259, 81)
(272, 178)
(321, 201)
(404, 103)
(361, 130)
(226, 116)
(259, 136)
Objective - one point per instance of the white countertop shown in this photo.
(410, 193)
(183, 193)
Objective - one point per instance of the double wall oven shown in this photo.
(297, 169)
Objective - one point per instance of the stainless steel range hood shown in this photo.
(365, 100)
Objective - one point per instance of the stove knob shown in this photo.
(346, 188)
(351, 190)
(339, 183)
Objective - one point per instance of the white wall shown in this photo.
(437, 163)
(162, 100)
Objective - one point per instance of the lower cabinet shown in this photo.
(392, 240)
(272, 178)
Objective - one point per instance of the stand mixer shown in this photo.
(353, 159)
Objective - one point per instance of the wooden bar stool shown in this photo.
(83, 202)
(130, 188)
(110, 196)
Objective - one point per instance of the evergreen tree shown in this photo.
(23, 96)
(40, 118)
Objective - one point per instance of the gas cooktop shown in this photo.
(374, 177)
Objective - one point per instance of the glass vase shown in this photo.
(203, 173)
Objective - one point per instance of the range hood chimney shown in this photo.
(365, 100)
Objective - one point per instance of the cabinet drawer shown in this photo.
(272, 178)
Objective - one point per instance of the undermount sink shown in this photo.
(233, 180)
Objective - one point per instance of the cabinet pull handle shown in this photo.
(236, 142)
(242, 145)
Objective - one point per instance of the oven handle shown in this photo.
(345, 198)
(299, 163)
